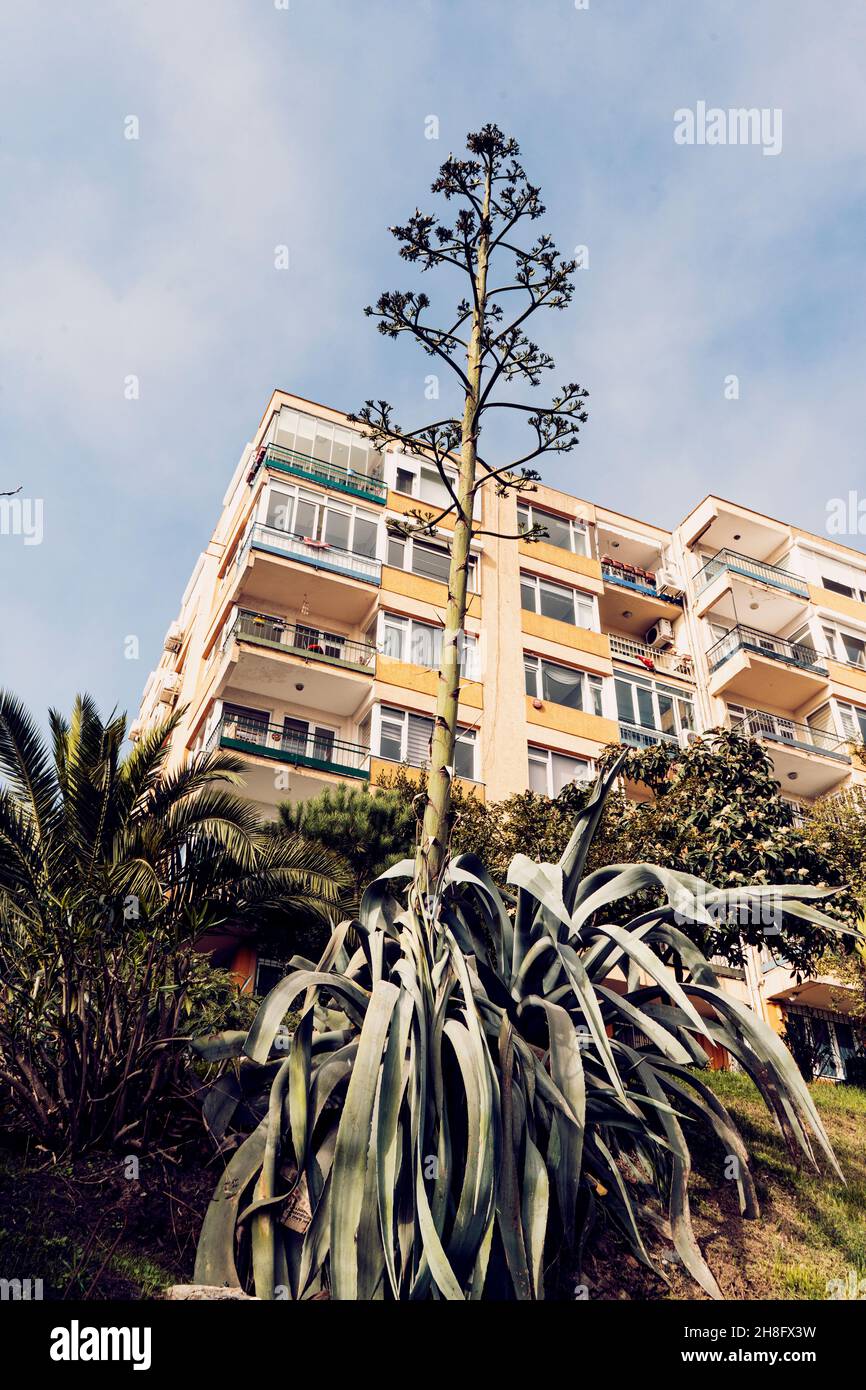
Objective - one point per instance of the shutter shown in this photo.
(418, 735)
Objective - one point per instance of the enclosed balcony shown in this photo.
(763, 668)
(731, 583)
(811, 760)
(338, 583)
(314, 470)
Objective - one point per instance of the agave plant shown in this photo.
(470, 1082)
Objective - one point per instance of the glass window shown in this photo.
(364, 535)
(855, 649)
(306, 434)
(391, 735)
(405, 481)
(342, 445)
(527, 594)
(431, 487)
(396, 552)
(322, 442)
(280, 505)
(337, 528)
(464, 754)
(394, 637)
(549, 772)
(430, 561)
(557, 602)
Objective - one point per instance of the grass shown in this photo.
(88, 1232)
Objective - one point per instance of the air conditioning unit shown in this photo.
(170, 688)
(669, 581)
(660, 636)
(173, 638)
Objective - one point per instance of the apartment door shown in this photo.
(303, 740)
(251, 725)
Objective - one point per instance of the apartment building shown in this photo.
(308, 637)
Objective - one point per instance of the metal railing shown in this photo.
(744, 565)
(315, 750)
(638, 580)
(770, 727)
(638, 737)
(752, 639)
(331, 475)
(320, 554)
(300, 639)
(630, 650)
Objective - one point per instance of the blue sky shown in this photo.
(261, 126)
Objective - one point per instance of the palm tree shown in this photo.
(112, 866)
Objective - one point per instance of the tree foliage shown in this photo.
(111, 868)
(466, 1092)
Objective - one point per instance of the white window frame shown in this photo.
(340, 433)
(834, 639)
(678, 697)
(407, 626)
(591, 683)
(848, 722)
(538, 516)
(538, 754)
(580, 599)
(408, 556)
(324, 502)
(415, 466)
(465, 735)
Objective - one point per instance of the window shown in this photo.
(853, 719)
(326, 442)
(420, 644)
(304, 740)
(549, 772)
(249, 725)
(557, 601)
(405, 738)
(427, 560)
(645, 704)
(312, 517)
(844, 646)
(565, 532)
(424, 481)
(268, 975)
(563, 685)
(836, 588)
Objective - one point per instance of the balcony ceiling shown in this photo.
(738, 600)
(760, 537)
(634, 550)
(644, 610)
(274, 583)
(272, 677)
(805, 772)
(765, 683)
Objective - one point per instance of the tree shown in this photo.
(111, 869)
(465, 1093)
(484, 350)
(370, 831)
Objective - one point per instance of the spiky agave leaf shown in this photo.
(463, 1089)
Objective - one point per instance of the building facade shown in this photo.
(308, 637)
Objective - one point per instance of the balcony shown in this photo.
(337, 584)
(634, 598)
(316, 751)
(732, 562)
(731, 582)
(314, 470)
(760, 667)
(634, 736)
(815, 760)
(639, 654)
(301, 640)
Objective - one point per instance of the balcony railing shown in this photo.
(330, 475)
(674, 663)
(768, 727)
(638, 737)
(742, 638)
(300, 640)
(632, 577)
(319, 554)
(313, 750)
(747, 568)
